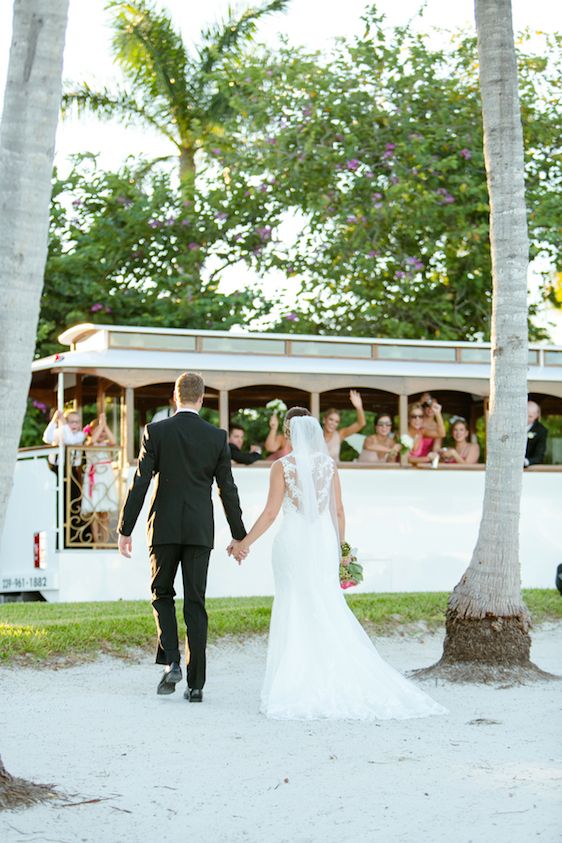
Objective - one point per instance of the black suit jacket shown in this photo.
(536, 444)
(243, 457)
(184, 454)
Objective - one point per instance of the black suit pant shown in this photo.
(194, 560)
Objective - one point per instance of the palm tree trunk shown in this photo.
(187, 173)
(27, 141)
(487, 621)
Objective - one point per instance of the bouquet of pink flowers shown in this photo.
(351, 572)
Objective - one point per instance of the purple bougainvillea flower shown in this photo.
(170, 220)
(399, 274)
(373, 253)
(193, 247)
(352, 164)
(216, 151)
(264, 233)
(291, 317)
(351, 219)
(154, 223)
(39, 405)
(466, 154)
(95, 308)
(445, 196)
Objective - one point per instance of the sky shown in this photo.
(313, 24)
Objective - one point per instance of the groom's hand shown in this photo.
(235, 550)
(125, 545)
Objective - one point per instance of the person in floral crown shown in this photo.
(99, 491)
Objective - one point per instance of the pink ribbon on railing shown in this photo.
(92, 475)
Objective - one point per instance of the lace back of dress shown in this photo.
(322, 471)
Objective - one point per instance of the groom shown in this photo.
(184, 454)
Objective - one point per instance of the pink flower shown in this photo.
(347, 583)
(466, 154)
(352, 164)
(95, 308)
(291, 317)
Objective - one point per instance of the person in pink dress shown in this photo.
(422, 449)
(463, 452)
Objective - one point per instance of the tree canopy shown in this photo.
(377, 153)
(370, 157)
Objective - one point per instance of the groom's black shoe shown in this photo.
(170, 678)
(193, 694)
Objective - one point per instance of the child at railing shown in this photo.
(99, 492)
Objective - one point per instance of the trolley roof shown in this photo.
(136, 356)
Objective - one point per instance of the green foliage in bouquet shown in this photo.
(351, 572)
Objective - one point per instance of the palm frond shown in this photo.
(107, 105)
(222, 38)
(149, 50)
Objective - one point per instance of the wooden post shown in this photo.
(224, 419)
(403, 423)
(78, 396)
(129, 424)
(100, 399)
(315, 404)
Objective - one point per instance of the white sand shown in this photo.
(167, 770)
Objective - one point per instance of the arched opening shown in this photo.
(248, 407)
(375, 402)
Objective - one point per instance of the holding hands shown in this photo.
(238, 549)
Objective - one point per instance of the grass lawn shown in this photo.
(35, 632)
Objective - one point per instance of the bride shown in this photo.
(320, 661)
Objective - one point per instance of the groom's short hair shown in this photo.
(189, 388)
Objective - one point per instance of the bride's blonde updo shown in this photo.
(293, 413)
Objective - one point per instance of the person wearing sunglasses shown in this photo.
(380, 446)
(422, 451)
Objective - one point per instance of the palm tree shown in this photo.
(27, 144)
(185, 97)
(487, 625)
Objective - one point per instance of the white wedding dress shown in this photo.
(320, 661)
